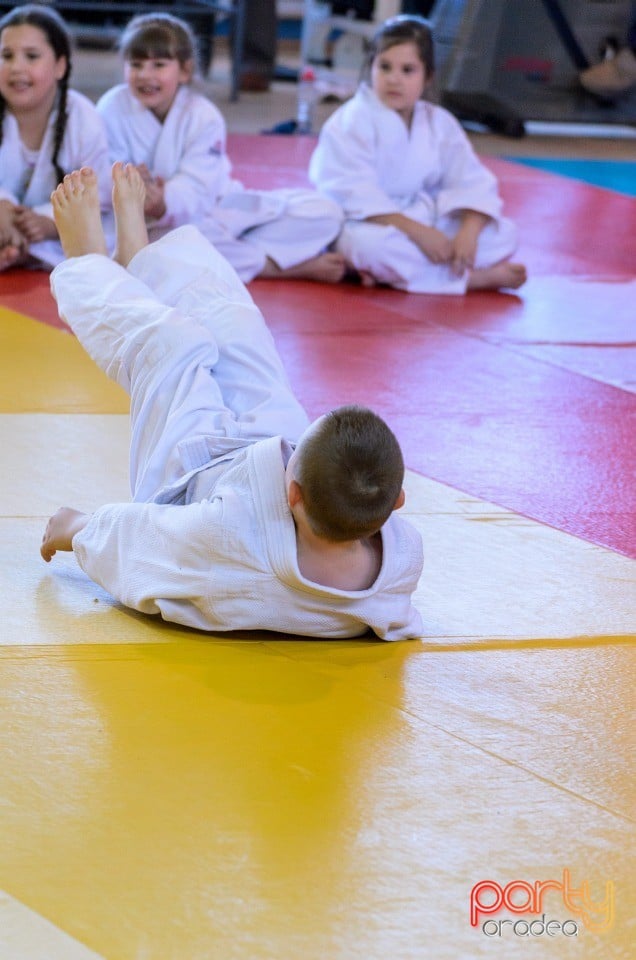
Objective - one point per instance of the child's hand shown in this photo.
(13, 244)
(6, 213)
(464, 252)
(465, 241)
(145, 173)
(60, 531)
(155, 204)
(34, 226)
(11, 237)
(434, 244)
(9, 233)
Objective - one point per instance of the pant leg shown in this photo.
(162, 359)
(497, 241)
(213, 372)
(179, 263)
(287, 226)
(307, 225)
(183, 269)
(389, 256)
(392, 258)
(246, 259)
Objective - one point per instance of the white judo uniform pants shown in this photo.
(392, 258)
(287, 226)
(180, 333)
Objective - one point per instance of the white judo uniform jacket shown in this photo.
(189, 151)
(209, 540)
(370, 163)
(84, 143)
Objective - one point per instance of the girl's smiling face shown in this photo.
(29, 69)
(398, 78)
(154, 81)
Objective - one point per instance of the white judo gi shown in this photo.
(370, 163)
(189, 151)
(209, 540)
(84, 143)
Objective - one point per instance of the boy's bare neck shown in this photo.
(352, 565)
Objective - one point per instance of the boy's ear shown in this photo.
(294, 494)
(400, 500)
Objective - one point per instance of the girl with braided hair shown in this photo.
(46, 130)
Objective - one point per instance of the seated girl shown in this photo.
(423, 214)
(177, 139)
(46, 130)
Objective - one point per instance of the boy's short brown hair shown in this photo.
(350, 470)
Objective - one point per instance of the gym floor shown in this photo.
(167, 795)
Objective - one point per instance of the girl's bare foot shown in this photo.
(502, 275)
(129, 193)
(325, 268)
(77, 215)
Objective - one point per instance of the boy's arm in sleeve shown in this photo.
(400, 619)
(60, 530)
(155, 558)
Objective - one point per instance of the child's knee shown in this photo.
(498, 241)
(383, 251)
(173, 342)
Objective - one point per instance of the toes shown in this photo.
(87, 176)
(74, 186)
(61, 194)
(123, 173)
(134, 177)
(72, 183)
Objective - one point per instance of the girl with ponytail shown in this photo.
(46, 131)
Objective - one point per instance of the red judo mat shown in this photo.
(523, 400)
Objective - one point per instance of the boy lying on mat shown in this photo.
(243, 516)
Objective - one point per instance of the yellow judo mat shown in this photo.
(169, 795)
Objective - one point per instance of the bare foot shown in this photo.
(502, 275)
(129, 193)
(77, 215)
(325, 268)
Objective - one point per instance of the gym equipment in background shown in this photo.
(503, 63)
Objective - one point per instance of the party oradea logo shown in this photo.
(533, 900)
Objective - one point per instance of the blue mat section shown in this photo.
(618, 175)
